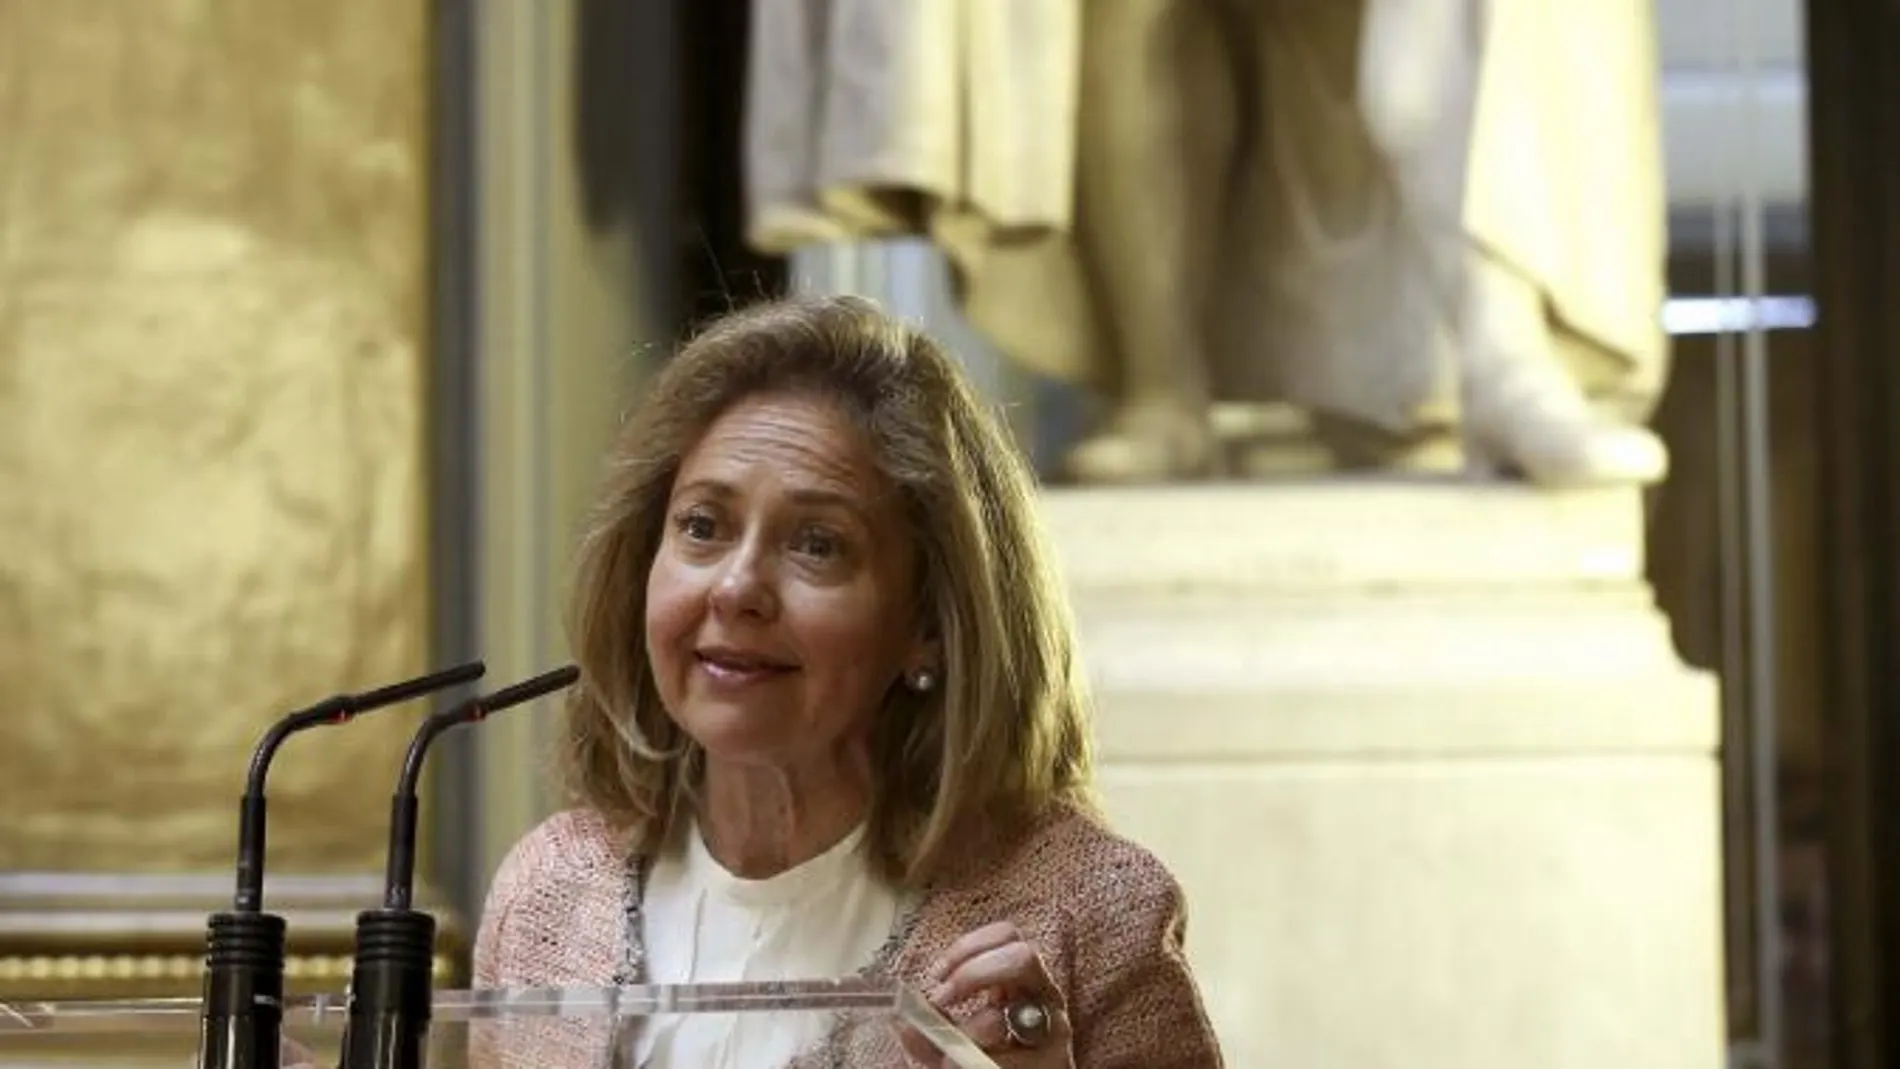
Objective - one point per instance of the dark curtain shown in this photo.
(1854, 132)
(662, 92)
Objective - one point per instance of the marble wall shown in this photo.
(212, 297)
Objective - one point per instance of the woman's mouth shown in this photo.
(738, 667)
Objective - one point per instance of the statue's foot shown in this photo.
(1562, 457)
(1524, 412)
(1528, 420)
(1146, 443)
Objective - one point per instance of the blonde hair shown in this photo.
(1003, 735)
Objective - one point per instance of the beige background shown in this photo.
(211, 419)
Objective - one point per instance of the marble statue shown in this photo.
(1425, 223)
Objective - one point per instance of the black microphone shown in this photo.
(391, 983)
(241, 1022)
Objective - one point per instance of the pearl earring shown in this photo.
(922, 680)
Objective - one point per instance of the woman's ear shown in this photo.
(926, 652)
(923, 669)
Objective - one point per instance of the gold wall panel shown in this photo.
(212, 296)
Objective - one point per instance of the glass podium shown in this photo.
(831, 1023)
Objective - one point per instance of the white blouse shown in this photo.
(823, 919)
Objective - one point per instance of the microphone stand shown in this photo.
(241, 1022)
(392, 981)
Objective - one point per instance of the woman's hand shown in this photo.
(1020, 1018)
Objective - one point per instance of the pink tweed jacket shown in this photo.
(1106, 915)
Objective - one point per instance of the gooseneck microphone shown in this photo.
(391, 985)
(241, 1023)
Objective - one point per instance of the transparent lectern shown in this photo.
(833, 1023)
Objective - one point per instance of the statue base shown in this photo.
(1436, 784)
(1279, 441)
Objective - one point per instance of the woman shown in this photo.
(831, 722)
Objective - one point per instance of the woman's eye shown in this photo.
(819, 544)
(697, 527)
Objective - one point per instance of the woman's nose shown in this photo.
(743, 588)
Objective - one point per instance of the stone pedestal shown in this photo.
(1438, 788)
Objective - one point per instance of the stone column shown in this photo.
(1438, 788)
(212, 307)
(571, 302)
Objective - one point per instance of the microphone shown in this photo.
(391, 983)
(242, 1016)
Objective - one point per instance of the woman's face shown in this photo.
(779, 607)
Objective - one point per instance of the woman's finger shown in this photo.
(1014, 968)
(987, 1029)
(972, 943)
